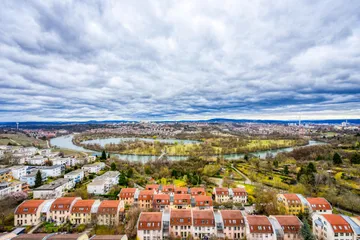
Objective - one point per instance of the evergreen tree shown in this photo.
(123, 181)
(337, 159)
(38, 179)
(301, 172)
(246, 157)
(276, 163)
(108, 155)
(310, 168)
(103, 155)
(113, 166)
(286, 170)
(355, 158)
(306, 232)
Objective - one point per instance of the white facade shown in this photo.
(76, 176)
(323, 229)
(38, 160)
(149, 235)
(18, 171)
(9, 188)
(30, 178)
(94, 168)
(54, 189)
(97, 187)
(51, 171)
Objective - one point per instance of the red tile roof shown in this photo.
(239, 191)
(222, 191)
(128, 190)
(232, 218)
(82, 206)
(62, 204)
(152, 187)
(319, 204)
(28, 207)
(150, 221)
(180, 217)
(338, 223)
(180, 190)
(146, 194)
(203, 218)
(201, 199)
(197, 191)
(290, 224)
(181, 199)
(168, 188)
(108, 207)
(259, 224)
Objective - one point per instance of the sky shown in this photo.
(171, 60)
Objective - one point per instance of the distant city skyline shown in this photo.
(179, 60)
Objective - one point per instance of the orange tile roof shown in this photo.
(150, 221)
(289, 223)
(28, 207)
(166, 188)
(180, 217)
(222, 191)
(82, 206)
(232, 218)
(259, 224)
(202, 198)
(181, 189)
(338, 223)
(182, 196)
(128, 190)
(108, 207)
(62, 204)
(197, 190)
(152, 186)
(319, 204)
(203, 218)
(146, 194)
(161, 197)
(291, 196)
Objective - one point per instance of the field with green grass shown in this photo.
(21, 140)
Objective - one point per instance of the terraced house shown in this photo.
(145, 198)
(128, 195)
(203, 223)
(291, 203)
(239, 195)
(81, 211)
(287, 227)
(195, 191)
(149, 226)
(181, 201)
(234, 224)
(221, 195)
(331, 226)
(28, 213)
(259, 228)
(109, 212)
(61, 208)
(202, 202)
(180, 223)
(161, 201)
(319, 205)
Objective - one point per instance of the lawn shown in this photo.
(21, 140)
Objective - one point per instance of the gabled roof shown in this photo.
(62, 204)
(289, 223)
(319, 204)
(29, 207)
(338, 223)
(259, 224)
(108, 207)
(222, 191)
(82, 206)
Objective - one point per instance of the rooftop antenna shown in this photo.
(17, 126)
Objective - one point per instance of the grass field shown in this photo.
(21, 140)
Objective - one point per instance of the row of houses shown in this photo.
(59, 236)
(73, 209)
(232, 224)
(221, 224)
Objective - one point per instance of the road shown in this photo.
(217, 181)
(247, 180)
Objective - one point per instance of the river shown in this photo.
(66, 142)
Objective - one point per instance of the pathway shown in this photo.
(247, 180)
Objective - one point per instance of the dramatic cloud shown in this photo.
(82, 60)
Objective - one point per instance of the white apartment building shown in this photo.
(7, 188)
(319, 205)
(331, 227)
(238, 195)
(51, 171)
(102, 184)
(93, 168)
(18, 171)
(37, 160)
(31, 177)
(221, 194)
(150, 226)
(54, 189)
(76, 176)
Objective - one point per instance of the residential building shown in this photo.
(93, 168)
(258, 227)
(28, 213)
(102, 184)
(181, 190)
(7, 188)
(18, 171)
(155, 187)
(55, 189)
(31, 177)
(197, 191)
(73, 236)
(109, 237)
(221, 194)
(61, 208)
(234, 224)
(145, 198)
(109, 212)
(51, 171)
(203, 223)
(239, 195)
(5, 175)
(149, 226)
(286, 227)
(128, 195)
(181, 201)
(67, 161)
(36, 160)
(291, 203)
(331, 226)
(169, 189)
(76, 176)
(355, 225)
(81, 211)
(181, 223)
(161, 201)
(202, 202)
(319, 205)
